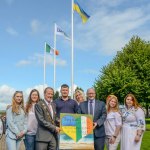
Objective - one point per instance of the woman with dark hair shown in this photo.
(29, 141)
(133, 124)
(16, 122)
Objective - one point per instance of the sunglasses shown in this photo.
(18, 92)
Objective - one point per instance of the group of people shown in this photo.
(126, 126)
(38, 121)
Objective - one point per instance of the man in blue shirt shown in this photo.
(64, 104)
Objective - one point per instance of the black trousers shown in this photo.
(99, 143)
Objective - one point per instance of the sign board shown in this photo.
(76, 131)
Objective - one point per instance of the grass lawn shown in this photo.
(146, 141)
(148, 123)
(146, 137)
(148, 126)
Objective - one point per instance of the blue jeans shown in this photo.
(29, 142)
(13, 144)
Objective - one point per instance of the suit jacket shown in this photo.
(46, 124)
(99, 116)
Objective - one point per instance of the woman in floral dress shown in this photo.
(133, 124)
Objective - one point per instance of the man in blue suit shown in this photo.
(98, 110)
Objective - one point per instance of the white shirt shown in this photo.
(113, 119)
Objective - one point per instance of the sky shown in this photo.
(26, 25)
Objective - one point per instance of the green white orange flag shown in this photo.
(50, 50)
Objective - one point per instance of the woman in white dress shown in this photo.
(133, 124)
(113, 123)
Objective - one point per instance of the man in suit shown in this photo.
(45, 111)
(98, 110)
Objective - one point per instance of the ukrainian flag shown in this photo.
(84, 16)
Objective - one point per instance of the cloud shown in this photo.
(108, 30)
(3, 106)
(37, 59)
(6, 93)
(10, 1)
(38, 27)
(23, 63)
(12, 31)
(104, 3)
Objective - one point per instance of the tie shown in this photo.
(50, 109)
(91, 107)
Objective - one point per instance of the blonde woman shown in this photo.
(16, 122)
(133, 124)
(32, 123)
(79, 96)
(113, 123)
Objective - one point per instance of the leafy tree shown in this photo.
(79, 88)
(127, 73)
(56, 95)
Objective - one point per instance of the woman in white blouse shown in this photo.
(113, 123)
(32, 124)
(133, 124)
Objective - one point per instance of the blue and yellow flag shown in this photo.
(84, 16)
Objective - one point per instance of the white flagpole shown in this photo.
(72, 52)
(44, 65)
(54, 56)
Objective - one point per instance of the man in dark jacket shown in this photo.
(45, 111)
(98, 110)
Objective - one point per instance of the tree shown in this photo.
(127, 73)
(79, 88)
(56, 95)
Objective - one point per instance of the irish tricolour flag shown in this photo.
(84, 126)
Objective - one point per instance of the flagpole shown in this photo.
(72, 52)
(54, 56)
(44, 65)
